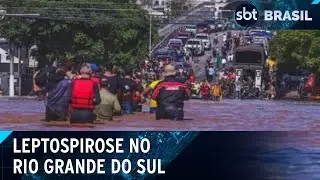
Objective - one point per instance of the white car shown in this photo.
(196, 46)
(191, 29)
(205, 39)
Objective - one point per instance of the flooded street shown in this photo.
(227, 115)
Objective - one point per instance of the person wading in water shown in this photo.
(84, 96)
(170, 95)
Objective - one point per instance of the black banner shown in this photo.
(172, 155)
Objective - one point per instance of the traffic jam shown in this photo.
(240, 64)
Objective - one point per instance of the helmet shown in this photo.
(94, 67)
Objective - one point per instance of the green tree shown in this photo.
(100, 31)
(296, 50)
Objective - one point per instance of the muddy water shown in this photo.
(288, 155)
(229, 115)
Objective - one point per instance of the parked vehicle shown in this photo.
(205, 39)
(185, 34)
(192, 29)
(196, 46)
(165, 52)
(163, 57)
(212, 24)
(177, 53)
(203, 28)
(250, 61)
(183, 39)
(175, 42)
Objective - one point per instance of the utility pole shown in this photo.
(150, 35)
(150, 30)
(19, 71)
(11, 77)
(170, 7)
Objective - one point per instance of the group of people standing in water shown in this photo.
(87, 96)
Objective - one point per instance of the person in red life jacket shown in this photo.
(94, 76)
(84, 95)
(205, 90)
(137, 95)
(191, 79)
(170, 95)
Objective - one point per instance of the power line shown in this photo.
(93, 9)
(64, 2)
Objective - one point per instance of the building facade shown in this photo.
(25, 64)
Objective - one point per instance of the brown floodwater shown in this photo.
(227, 115)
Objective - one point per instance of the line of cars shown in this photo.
(191, 40)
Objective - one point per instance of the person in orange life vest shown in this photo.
(94, 76)
(205, 90)
(84, 95)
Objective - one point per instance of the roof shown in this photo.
(162, 50)
(175, 40)
(182, 37)
(184, 32)
(250, 48)
(202, 34)
(194, 40)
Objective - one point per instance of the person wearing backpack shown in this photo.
(43, 77)
(57, 100)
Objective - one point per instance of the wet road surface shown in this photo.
(227, 115)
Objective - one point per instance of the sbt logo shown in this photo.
(247, 15)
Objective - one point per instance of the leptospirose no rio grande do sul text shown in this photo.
(84, 146)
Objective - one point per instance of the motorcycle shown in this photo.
(249, 93)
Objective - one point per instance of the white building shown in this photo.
(161, 3)
(4, 58)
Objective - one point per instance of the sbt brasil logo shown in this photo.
(248, 15)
